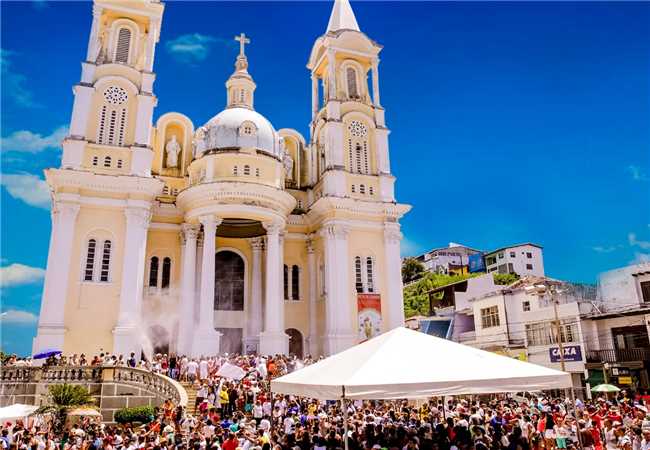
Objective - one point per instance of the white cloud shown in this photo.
(29, 142)
(27, 187)
(634, 242)
(605, 248)
(640, 258)
(18, 274)
(194, 48)
(13, 83)
(17, 316)
(638, 174)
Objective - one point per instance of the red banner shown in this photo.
(369, 315)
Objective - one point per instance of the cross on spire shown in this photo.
(243, 40)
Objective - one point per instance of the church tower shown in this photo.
(110, 129)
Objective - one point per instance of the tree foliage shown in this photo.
(504, 278)
(142, 414)
(62, 398)
(412, 269)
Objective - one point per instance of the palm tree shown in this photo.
(412, 269)
(62, 398)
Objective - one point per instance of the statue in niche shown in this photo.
(199, 142)
(173, 149)
(99, 55)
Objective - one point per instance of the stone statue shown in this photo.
(199, 142)
(288, 164)
(173, 149)
(100, 49)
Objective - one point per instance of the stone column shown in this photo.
(142, 154)
(254, 324)
(207, 340)
(93, 40)
(51, 324)
(393, 277)
(331, 74)
(272, 339)
(188, 288)
(375, 82)
(127, 335)
(314, 96)
(339, 334)
(312, 270)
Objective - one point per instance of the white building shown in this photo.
(522, 259)
(448, 260)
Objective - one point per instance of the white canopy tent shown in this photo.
(403, 363)
(17, 411)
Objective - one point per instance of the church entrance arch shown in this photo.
(159, 339)
(295, 342)
(229, 299)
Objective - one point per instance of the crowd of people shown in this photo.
(241, 414)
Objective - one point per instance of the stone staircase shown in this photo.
(191, 397)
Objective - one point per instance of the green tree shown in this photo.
(504, 278)
(62, 398)
(412, 269)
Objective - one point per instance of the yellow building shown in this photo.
(232, 236)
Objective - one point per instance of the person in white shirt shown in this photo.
(192, 369)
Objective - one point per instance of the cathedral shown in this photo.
(230, 236)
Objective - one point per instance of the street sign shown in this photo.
(571, 353)
(625, 380)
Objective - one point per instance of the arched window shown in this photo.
(247, 170)
(95, 160)
(123, 45)
(106, 262)
(89, 271)
(107, 161)
(358, 281)
(286, 282)
(353, 91)
(358, 147)
(295, 283)
(111, 127)
(370, 275)
(166, 272)
(101, 127)
(229, 276)
(153, 272)
(121, 127)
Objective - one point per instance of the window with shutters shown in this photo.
(247, 170)
(107, 161)
(106, 262)
(353, 90)
(119, 163)
(234, 170)
(286, 282)
(362, 189)
(153, 272)
(123, 45)
(89, 271)
(257, 172)
(95, 160)
(166, 273)
(358, 280)
(370, 275)
(111, 126)
(295, 283)
(358, 147)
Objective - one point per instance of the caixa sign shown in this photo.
(571, 353)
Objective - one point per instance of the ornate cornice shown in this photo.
(138, 217)
(117, 184)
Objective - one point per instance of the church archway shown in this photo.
(295, 342)
(159, 339)
(229, 281)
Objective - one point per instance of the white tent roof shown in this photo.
(403, 363)
(16, 411)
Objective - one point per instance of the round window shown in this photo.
(115, 95)
(357, 129)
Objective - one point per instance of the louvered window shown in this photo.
(101, 132)
(119, 163)
(123, 46)
(106, 262)
(353, 91)
(95, 160)
(370, 272)
(358, 282)
(153, 272)
(362, 189)
(107, 161)
(247, 170)
(295, 283)
(166, 272)
(121, 127)
(90, 260)
(286, 282)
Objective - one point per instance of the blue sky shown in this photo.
(510, 122)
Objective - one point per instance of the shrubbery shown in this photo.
(142, 414)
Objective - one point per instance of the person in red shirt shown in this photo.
(230, 443)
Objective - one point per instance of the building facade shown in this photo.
(450, 260)
(231, 236)
(522, 259)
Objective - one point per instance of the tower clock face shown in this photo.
(115, 95)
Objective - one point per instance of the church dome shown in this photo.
(237, 127)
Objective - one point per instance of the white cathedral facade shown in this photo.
(231, 236)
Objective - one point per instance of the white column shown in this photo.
(312, 270)
(254, 324)
(314, 96)
(145, 105)
(93, 40)
(393, 276)
(375, 82)
(339, 333)
(51, 324)
(272, 339)
(186, 307)
(151, 44)
(331, 74)
(127, 335)
(207, 340)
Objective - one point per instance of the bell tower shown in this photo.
(348, 131)
(110, 128)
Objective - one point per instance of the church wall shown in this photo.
(296, 312)
(99, 100)
(92, 307)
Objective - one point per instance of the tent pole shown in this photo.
(345, 419)
(444, 407)
(575, 414)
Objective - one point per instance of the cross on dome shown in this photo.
(243, 40)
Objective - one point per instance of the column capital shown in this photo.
(210, 221)
(335, 230)
(310, 245)
(257, 244)
(137, 216)
(273, 227)
(392, 233)
(190, 231)
(66, 210)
